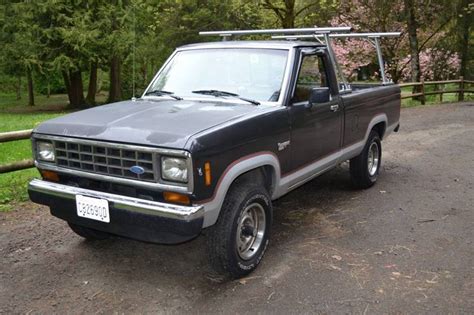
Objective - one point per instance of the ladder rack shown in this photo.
(322, 35)
(373, 38)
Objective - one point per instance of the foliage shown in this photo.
(60, 41)
(352, 55)
(18, 37)
(436, 65)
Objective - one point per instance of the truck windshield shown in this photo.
(251, 73)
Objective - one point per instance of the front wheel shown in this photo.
(237, 242)
(365, 167)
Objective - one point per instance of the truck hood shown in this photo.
(164, 123)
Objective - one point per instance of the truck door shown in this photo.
(316, 114)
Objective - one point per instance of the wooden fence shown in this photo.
(15, 136)
(439, 89)
(461, 90)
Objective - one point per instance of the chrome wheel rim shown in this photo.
(373, 159)
(250, 231)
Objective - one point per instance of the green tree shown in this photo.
(118, 38)
(19, 53)
(68, 36)
(292, 12)
(464, 31)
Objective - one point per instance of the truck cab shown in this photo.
(223, 129)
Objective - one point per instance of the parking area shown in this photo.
(403, 246)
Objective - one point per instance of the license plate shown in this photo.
(93, 208)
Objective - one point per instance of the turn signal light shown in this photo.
(176, 198)
(52, 176)
(207, 173)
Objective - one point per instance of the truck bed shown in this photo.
(363, 103)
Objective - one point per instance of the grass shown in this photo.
(8, 103)
(57, 102)
(13, 185)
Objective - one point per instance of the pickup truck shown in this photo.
(223, 129)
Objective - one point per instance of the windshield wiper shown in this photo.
(164, 93)
(218, 93)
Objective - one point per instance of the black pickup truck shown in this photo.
(223, 129)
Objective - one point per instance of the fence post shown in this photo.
(422, 99)
(441, 89)
(461, 89)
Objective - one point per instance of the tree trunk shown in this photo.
(31, 95)
(289, 17)
(115, 80)
(76, 92)
(413, 39)
(464, 27)
(18, 89)
(67, 84)
(286, 15)
(92, 90)
(144, 73)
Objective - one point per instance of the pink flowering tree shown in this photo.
(369, 16)
(352, 54)
(436, 64)
(355, 53)
(380, 16)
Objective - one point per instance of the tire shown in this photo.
(237, 242)
(365, 167)
(87, 233)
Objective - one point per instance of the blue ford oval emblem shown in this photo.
(137, 169)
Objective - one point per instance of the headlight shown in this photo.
(174, 169)
(45, 151)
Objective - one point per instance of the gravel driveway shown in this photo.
(403, 246)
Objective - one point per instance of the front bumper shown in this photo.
(140, 219)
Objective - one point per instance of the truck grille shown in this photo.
(105, 159)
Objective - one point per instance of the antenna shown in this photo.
(133, 51)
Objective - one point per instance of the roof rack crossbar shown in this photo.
(338, 35)
(311, 30)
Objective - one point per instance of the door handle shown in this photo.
(334, 108)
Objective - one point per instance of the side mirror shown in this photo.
(319, 95)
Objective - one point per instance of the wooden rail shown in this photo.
(421, 93)
(15, 136)
(16, 166)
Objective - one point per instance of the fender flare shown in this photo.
(212, 206)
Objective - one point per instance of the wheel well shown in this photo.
(380, 129)
(263, 174)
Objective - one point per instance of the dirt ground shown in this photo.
(403, 246)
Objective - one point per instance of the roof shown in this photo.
(269, 44)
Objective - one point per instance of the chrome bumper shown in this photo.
(160, 209)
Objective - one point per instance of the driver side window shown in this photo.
(311, 75)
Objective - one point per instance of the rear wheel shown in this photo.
(237, 242)
(365, 167)
(88, 233)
